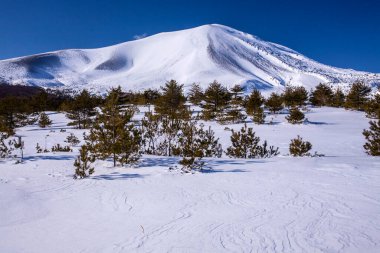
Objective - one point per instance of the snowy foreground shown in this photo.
(282, 204)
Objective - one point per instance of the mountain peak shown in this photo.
(201, 54)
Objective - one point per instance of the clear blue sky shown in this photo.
(336, 32)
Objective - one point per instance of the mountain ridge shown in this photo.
(201, 54)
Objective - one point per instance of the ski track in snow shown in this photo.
(282, 204)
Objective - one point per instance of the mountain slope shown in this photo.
(201, 54)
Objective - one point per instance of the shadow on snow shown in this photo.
(116, 176)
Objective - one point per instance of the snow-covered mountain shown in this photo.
(201, 54)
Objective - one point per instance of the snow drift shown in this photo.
(201, 54)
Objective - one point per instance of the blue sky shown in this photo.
(338, 33)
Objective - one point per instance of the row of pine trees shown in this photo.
(171, 129)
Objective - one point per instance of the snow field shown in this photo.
(281, 204)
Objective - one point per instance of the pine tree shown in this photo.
(322, 95)
(196, 94)
(357, 96)
(216, 99)
(372, 107)
(254, 102)
(196, 143)
(81, 109)
(44, 120)
(259, 116)
(110, 133)
(130, 145)
(38, 148)
(338, 99)
(169, 129)
(172, 101)
(298, 147)
(295, 116)
(295, 96)
(72, 139)
(274, 103)
(372, 146)
(245, 144)
(233, 111)
(83, 162)
(150, 132)
(5, 147)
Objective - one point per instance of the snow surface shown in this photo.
(201, 54)
(282, 204)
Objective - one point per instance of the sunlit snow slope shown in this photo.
(201, 54)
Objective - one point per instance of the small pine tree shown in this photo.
(81, 109)
(254, 102)
(171, 103)
(72, 140)
(322, 95)
(108, 136)
(298, 147)
(59, 148)
(233, 111)
(38, 148)
(338, 98)
(295, 96)
(216, 100)
(357, 96)
(295, 116)
(83, 162)
(259, 116)
(372, 108)
(372, 146)
(196, 94)
(5, 148)
(274, 103)
(196, 143)
(44, 120)
(245, 144)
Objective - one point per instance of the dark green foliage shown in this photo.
(172, 101)
(160, 134)
(13, 113)
(245, 144)
(298, 147)
(81, 109)
(72, 139)
(59, 148)
(83, 162)
(196, 94)
(295, 116)
(357, 96)
(274, 103)
(38, 148)
(216, 99)
(254, 102)
(5, 146)
(195, 143)
(258, 116)
(112, 133)
(234, 110)
(338, 99)
(146, 97)
(44, 120)
(372, 135)
(372, 107)
(322, 95)
(150, 131)
(295, 96)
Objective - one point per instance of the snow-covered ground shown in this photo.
(282, 204)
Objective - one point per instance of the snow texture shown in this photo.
(282, 204)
